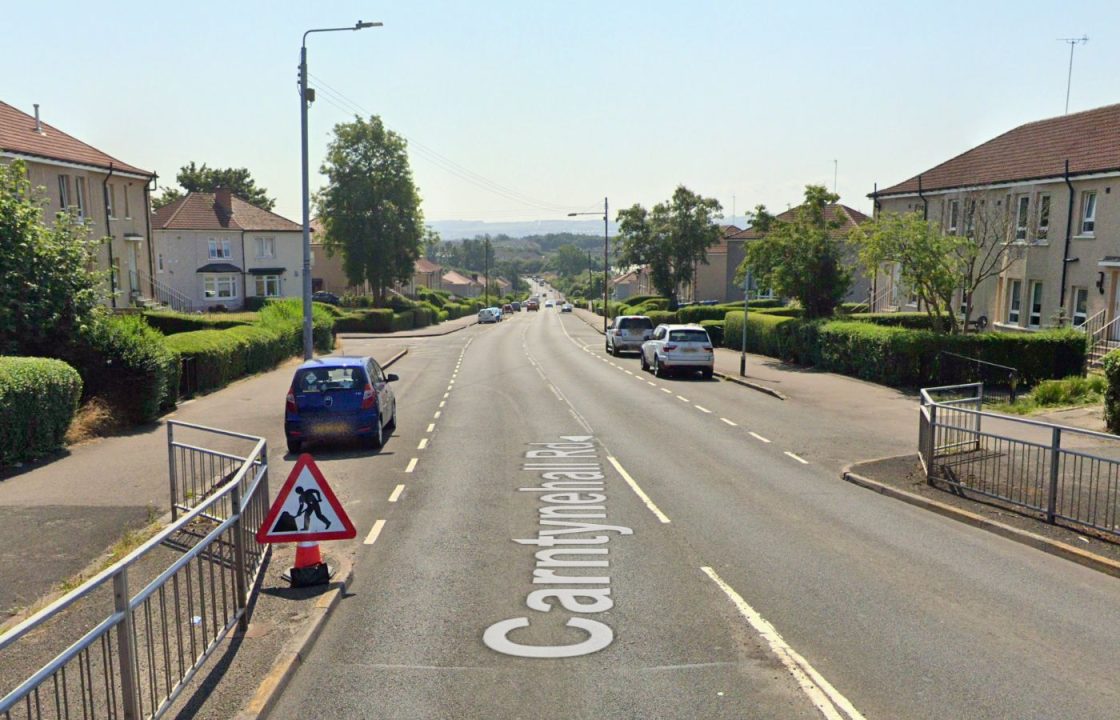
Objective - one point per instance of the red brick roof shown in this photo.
(726, 231)
(453, 278)
(1090, 140)
(18, 135)
(849, 217)
(198, 211)
(424, 265)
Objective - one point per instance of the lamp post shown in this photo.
(606, 259)
(306, 97)
(746, 307)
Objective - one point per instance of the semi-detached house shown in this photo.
(1045, 188)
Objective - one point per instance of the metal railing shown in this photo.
(194, 579)
(167, 295)
(1098, 331)
(1064, 474)
(997, 380)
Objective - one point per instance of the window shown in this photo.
(108, 200)
(127, 208)
(111, 202)
(953, 214)
(159, 262)
(266, 247)
(969, 217)
(64, 191)
(1043, 217)
(1022, 217)
(1035, 318)
(1013, 301)
(80, 195)
(1088, 212)
(1080, 303)
(219, 249)
(268, 285)
(219, 286)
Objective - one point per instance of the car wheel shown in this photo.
(657, 369)
(392, 424)
(377, 439)
(645, 365)
(294, 444)
(614, 350)
(607, 347)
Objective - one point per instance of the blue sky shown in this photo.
(525, 110)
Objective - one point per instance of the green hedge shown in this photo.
(661, 316)
(378, 320)
(763, 336)
(911, 320)
(696, 313)
(715, 331)
(1111, 364)
(38, 399)
(403, 321)
(170, 323)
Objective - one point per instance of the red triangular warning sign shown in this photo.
(306, 509)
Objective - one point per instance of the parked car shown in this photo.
(326, 297)
(626, 333)
(676, 348)
(532, 305)
(507, 309)
(339, 397)
(516, 306)
(566, 307)
(488, 315)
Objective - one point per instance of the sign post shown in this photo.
(305, 512)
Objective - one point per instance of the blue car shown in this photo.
(339, 397)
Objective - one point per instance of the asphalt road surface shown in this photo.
(552, 533)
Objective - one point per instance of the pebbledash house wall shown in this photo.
(1094, 257)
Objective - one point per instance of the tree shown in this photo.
(989, 247)
(568, 261)
(671, 239)
(195, 178)
(431, 243)
(370, 208)
(801, 258)
(47, 292)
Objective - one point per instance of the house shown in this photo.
(846, 218)
(327, 271)
(113, 196)
(1043, 192)
(632, 283)
(460, 285)
(715, 280)
(215, 251)
(425, 274)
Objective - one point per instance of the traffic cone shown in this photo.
(307, 554)
(309, 568)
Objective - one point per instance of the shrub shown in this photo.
(254, 303)
(911, 320)
(660, 316)
(377, 320)
(785, 311)
(697, 313)
(1111, 365)
(402, 321)
(763, 334)
(169, 322)
(38, 399)
(715, 331)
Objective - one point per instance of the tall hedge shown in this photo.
(1111, 365)
(169, 322)
(38, 399)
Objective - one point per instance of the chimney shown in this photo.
(38, 122)
(222, 200)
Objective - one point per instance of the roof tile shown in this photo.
(198, 211)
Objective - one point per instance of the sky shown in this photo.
(518, 110)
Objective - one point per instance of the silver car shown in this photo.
(676, 348)
(627, 333)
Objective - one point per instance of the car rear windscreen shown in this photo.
(325, 379)
(695, 336)
(635, 324)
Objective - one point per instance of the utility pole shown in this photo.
(1069, 78)
(746, 309)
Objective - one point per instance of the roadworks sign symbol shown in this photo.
(306, 509)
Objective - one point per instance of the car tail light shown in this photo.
(368, 397)
(670, 347)
(708, 348)
(290, 401)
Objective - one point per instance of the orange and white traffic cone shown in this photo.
(309, 568)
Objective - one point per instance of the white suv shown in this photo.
(628, 332)
(674, 348)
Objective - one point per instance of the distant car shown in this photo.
(488, 315)
(516, 306)
(627, 333)
(507, 309)
(566, 307)
(326, 297)
(549, 303)
(676, 348)
(337, 397)
(532, 305)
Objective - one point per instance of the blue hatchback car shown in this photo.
(336, 397)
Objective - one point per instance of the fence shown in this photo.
(194, 579)
(1064, 474)
(998, 381)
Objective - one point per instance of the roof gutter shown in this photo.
(1066, 259)
(109, 235)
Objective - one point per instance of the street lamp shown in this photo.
(606, 260)
(746, 310)
(306, 97)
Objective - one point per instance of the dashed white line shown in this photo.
(447, 395)
(442, 403)
(431, 427)
(732, 423)
(423, 444)
(436, 416)
(702, 409)
(666, 390)
(629, 373)
(374, 532)
(638, 491)
(411, 465)
(803, 461)
(756, 436)
(650, 382)
(682, 398)
(820, 692)
(396, 493)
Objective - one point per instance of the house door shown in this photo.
(1114, 327)
(134, 267)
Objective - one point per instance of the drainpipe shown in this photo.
(925, 203)
(109, 234)
(1066, 259)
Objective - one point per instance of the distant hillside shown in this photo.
(463, 229)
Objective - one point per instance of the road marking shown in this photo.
(423, 444)
(396, 493)
(411, 465)
(730, 422)
(638, 491)
(682, 398)
(629, 373)
(758, 437)
(374, 532)
(431, 427)
(666, 390)
(650, 382)
(438, 413)
(702, 409)
(446, 394)
(800, 460)
(827, 698)
(442, 403)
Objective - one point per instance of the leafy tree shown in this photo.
(568, 261)
(47, 292)
(431, 243)
(671, 239)
(370, 208)
(200, 178)
(801, 258)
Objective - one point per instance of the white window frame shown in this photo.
(64, 191)
(266, 247)
(127, 205)
(263, 283)
(1014, 301)
(969, 217)
(111, 189)
(109, 199)
(219, 248)
(1034, 312)
(1088, 212)
(213, 287)
(1079, 305)
(159, 262)
(1022, 217)
(1043, 217)
(953, 213)
(80, 195)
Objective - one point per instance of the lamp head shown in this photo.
(363, 25)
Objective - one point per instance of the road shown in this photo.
(735, 574)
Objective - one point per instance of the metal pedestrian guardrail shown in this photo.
(151, 620)
(1064, 474)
